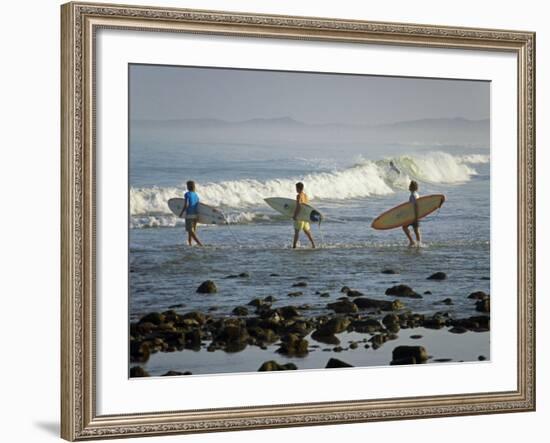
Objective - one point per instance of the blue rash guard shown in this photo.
(192, 200)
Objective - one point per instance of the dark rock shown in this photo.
(391, 320)
(293, 345)
(458, 330)
(335, 325)
(378, 340)
(368, 325)
(354, 293)
(335, 363)
(154, 317)
(417, 352)
(416, 337)
(192, 339)
(478, 295)
(383, 305)
(329, 339)
(389, 271)
(437, 276)
(402, 291)
(299, 327)
(324, 294)
(274, 275)
(288, 312)
(338, 349)
(443, 360)
(232, 336)
(138, 371)
(240, 310)
(447, 302)
(295, 294)
(353, 345)
(272, 365)
(482, 358)
(476, 323)
(435, 322)
(263, 335)
(232, 276)
(207, 287)
(259, 303)
(483, 305)
(269, 299)
(139, 351)
(427, 292)
(199, 317)
(343, 307)
(244, 275)
(300, 284)
(344, 289)
(179, 305)
(174, 373)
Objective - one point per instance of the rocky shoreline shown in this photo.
(294, 333)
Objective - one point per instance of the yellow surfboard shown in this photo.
(403, 214)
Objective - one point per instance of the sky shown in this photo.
(174, 92)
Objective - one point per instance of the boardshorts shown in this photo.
(191, 223)
(301, 225)
(414, 225)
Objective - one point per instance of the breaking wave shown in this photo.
(364, 179)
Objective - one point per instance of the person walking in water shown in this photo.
(191, 209)
(413, 187)
(299, 225)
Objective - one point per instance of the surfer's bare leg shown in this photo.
(196, 239)
(408, 234)
(295, 241)
(417, 233)
(308, 233)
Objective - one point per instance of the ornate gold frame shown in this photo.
(79, 420)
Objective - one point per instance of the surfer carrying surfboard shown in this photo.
(191, 210)
(413, 187)
(300, 225)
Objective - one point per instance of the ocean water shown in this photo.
(349, 185)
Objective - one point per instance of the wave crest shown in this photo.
(364, 179)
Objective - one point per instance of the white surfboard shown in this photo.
(208, 215)
(287, 206)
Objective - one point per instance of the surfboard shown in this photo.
(287, 206)
(208, 215)
(403, 214)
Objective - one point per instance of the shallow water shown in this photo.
(164, 272)
(442, 347)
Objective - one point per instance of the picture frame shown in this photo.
(80, 241)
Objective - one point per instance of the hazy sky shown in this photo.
(165, 93)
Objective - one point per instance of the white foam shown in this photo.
(364, 179)
(475, 158)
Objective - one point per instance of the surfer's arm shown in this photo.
(184, 207)
(297, 210)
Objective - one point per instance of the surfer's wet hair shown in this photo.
(300, 186)
(191, 185)
(413, 186)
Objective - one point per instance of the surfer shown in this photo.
(394, 168)
(191, 205)
(299, 225)
(413, 187)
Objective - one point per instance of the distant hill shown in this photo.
(284, 130)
